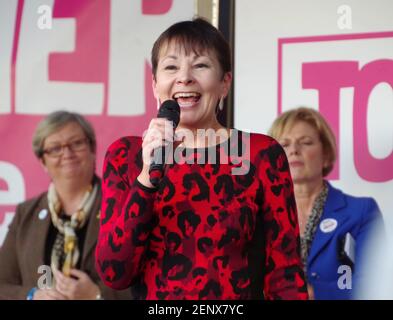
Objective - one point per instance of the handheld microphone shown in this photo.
(170, 110)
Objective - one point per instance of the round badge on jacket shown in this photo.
(328, 225)
(42, 214)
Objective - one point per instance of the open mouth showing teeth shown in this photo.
(187, 99)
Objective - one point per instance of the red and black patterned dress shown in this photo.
(204, 233)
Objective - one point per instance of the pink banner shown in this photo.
(328, 78)
(75, 62)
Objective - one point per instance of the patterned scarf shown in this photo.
(65, 251)
(312, 224)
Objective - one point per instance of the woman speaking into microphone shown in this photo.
(205, 229)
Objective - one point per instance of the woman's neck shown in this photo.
(204, 137)
(70, 194)
(305, 194)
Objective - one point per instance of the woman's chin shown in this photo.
(69, 177)
(188, 120)
(72, 174)
(297, 178)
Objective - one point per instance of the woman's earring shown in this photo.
(221, 104)
(158, 104)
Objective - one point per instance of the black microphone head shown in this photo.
(170, 110)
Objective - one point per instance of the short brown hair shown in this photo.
(288, 119)
(55, 121)
(196, 35)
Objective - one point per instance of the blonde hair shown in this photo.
(288, 119)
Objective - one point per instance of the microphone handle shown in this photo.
(156, 170)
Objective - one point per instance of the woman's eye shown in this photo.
(201, 65)
(170, 67)
(55, 149)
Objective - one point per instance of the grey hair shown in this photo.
(55, 121)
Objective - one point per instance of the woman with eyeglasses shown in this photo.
(48, 253)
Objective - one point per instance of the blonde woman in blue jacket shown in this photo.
(334, 227)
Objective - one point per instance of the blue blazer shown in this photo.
(359, 217)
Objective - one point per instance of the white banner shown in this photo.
(334, 57)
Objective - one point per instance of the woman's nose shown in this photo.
(185, 76)
(67, 151)
(293, 149)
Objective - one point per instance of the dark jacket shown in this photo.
(24, 249)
